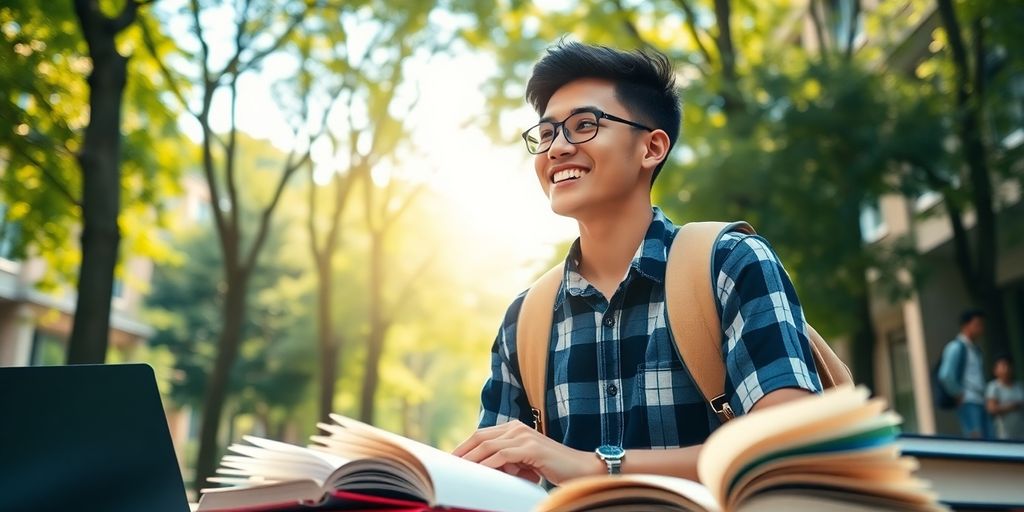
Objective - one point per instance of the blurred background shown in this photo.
(293, 207)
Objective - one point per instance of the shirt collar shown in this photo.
(648, 261)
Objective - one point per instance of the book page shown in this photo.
(726, 445)
(266, 461)
(457, 482)
(625, 491)
(906, 495)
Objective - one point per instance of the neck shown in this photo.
(967, 336)
(1005, 380)
(608, 241)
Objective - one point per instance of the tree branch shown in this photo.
(851, 36)
(205, 48)
(127, 15)
(815, 6)
(260, 55)
(229, 157)
(727, 52)
(268, 212)
(691, 24)
(314, 238)
(629, 25)
(48, 174)
(172, 82)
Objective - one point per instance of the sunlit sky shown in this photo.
(490, 186)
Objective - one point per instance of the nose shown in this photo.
(560, 146)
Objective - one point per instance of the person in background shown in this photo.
(1004, 399)
(962, 375)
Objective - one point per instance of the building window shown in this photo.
(9, 232)
(47, 349)
(872, 226)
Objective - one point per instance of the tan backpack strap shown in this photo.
(533, 340)
(692, 314)
(831, 370)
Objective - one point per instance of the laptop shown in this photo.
(86, 437)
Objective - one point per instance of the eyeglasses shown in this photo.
(578, 128)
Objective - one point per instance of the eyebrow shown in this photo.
(577, 110)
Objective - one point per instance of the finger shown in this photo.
(512, 455)
(491, 446)
(480, 436)
(521, 471)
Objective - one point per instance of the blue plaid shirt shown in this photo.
(614, 374)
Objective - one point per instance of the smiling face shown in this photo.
(602, 174)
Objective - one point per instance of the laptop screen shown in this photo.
(89, 437)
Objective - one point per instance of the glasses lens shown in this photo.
(581, 127)
(538, 139)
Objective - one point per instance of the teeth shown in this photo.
(567, 174)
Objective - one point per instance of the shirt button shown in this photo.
(613, 389)
(609, 321)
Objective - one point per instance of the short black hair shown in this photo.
(644, 82)
(970, 314)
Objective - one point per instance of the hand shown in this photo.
(519, 450)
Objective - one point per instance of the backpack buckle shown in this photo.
(721, 406)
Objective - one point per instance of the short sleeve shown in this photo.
(764, 342)
(502, 398)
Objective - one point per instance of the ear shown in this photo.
(656, 149)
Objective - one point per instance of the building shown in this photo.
(35, 325)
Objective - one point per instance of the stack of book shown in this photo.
(970, 474)
(835, 451)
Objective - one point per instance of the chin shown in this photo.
(565, 208)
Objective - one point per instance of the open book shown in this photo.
(834, 451)
(831, 452)
(355, 466)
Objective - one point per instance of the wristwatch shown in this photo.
(612, 456)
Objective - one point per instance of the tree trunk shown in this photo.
(375, 346)
(863, 335)
(100, 160)
(864, 341)
(970, 90)
(330, 347)
(217, 386)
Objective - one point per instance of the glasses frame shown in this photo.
(600, 114)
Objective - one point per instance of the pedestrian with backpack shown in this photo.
(962, 376)
(629, 354)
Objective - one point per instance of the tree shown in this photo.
(66, 167)
(991, 57)
(361, 92)
(260, 30)
(270, 381)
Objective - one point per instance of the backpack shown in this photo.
(693, 321)
(942, 398)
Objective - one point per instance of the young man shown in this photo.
(608, 120)
(962, 373)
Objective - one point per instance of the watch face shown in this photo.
(610, 452)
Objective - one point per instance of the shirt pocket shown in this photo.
(663, 384)
(670, 407)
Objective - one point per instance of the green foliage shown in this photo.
(800, 141)
(43, 112)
